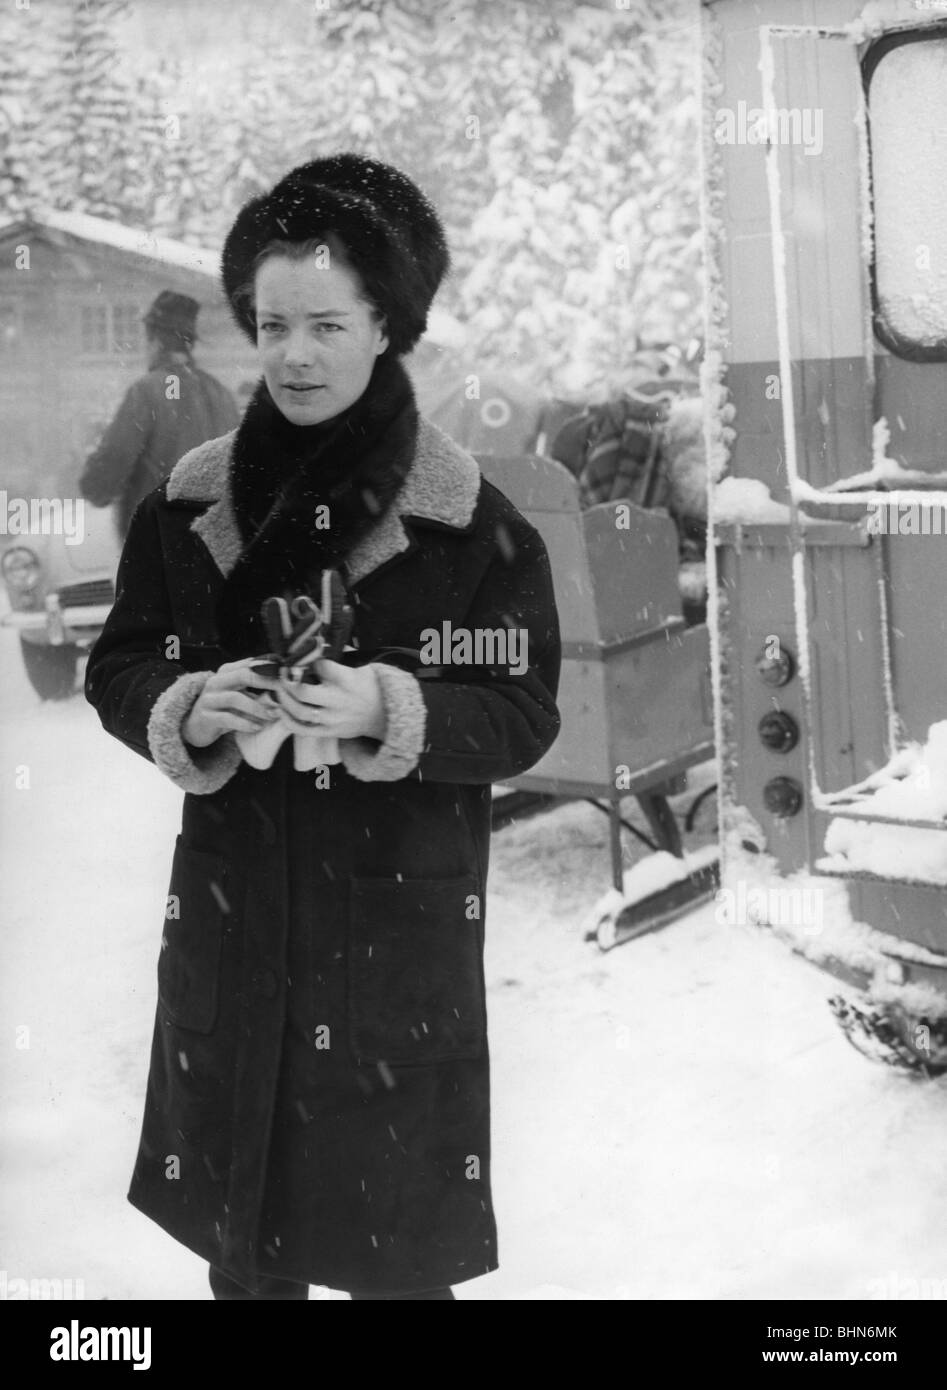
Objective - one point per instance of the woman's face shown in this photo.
(316, 336)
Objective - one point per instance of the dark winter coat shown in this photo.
(150, 432)
(318, 1098)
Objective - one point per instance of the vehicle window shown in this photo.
(907, 100)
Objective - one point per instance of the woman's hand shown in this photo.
(347, 704)
(223, 705)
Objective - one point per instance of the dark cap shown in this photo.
(174, 314)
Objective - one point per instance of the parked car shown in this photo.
(71, 343)
(60, 590)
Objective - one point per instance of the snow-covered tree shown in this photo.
(588, 247)
(557, 139)
(21, 36)
(96, 136)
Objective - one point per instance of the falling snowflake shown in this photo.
(219, 897)
(505, 544)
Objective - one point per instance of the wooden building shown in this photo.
(73, 291)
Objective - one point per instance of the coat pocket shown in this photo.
(416, 990)
(189, 963)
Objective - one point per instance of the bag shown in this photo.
(614, 449)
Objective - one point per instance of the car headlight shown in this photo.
(21, 572)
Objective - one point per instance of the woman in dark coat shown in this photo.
(318, 1097)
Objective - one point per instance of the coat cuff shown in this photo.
(197, 770)
(403, 744)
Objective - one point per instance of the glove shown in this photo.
(310, 751)
(299, 633)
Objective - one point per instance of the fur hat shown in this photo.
(392, 235)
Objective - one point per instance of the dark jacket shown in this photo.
(171, 409)
(319, 1067)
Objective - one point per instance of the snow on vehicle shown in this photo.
(825, 164)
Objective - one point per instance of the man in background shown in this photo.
(166, 412)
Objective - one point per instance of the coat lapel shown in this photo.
(442, 487)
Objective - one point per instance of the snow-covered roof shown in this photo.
(133, 240)
(444, 330)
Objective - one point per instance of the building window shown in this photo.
(110, 328)
(126, 328)
(907, 80)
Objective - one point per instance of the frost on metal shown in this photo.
(716, 310)
(856, 487)
(909, 168)
(837, 936)
(800, 605)
(718, 411)
(895, 727)
(879, 16)
(867, 234)
(778, 249)
(767, 70)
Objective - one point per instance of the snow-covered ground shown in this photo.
(678, 1118)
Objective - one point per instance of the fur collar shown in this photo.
(442, 486)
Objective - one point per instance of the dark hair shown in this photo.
(244, 296)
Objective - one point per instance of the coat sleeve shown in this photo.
(472, 724)
(141, 695)
(110, 464)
